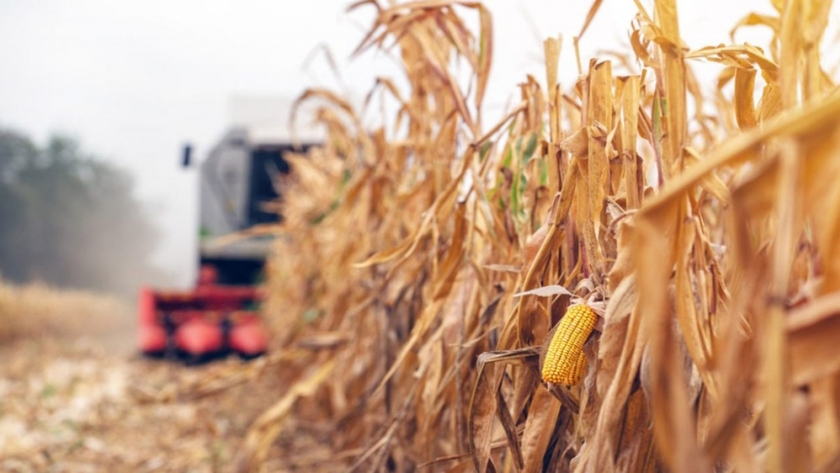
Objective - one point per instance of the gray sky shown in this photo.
(134, 79)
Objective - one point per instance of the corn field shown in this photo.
(421, 266)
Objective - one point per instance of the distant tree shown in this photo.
(16, 151)
(70, 219)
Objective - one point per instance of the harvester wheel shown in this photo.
(191, 359)
(250, 356)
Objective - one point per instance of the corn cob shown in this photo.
(564, 360)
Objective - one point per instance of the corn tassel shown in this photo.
(564, 361)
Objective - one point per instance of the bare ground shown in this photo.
(91, 404)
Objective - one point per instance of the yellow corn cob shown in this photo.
(564, 362)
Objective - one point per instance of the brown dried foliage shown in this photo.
(705, 240)
(36, 310)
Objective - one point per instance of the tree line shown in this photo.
(70, 219)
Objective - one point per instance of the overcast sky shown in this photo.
(135, 79)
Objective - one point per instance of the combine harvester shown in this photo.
(238, 182)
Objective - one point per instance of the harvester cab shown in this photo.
(239, 188)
